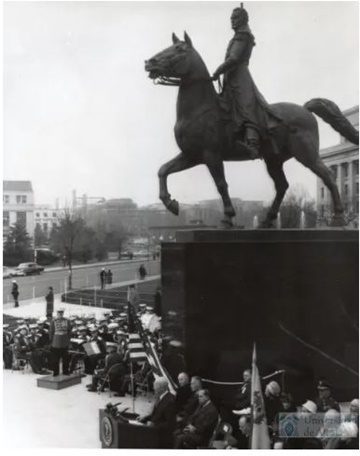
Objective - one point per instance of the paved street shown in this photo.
(86, 277)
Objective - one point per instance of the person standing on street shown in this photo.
(49, 303)
(60, 331)
(102, 278)
(15, 293)
(142, 272)
(109, 276)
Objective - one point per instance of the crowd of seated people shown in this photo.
(27, 343)
(192, 418)
(198, 421)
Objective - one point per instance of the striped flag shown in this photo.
(136, 348)
(157, 368)
(145, 349)
(260, 435)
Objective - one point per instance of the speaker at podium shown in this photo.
(116, 432)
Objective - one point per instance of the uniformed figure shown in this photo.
(49, 303)
(60, 333)
(7, 347)
(15, 293)
(325, 401)
(251, 115)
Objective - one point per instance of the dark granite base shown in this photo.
(294, 293)
(59, 382)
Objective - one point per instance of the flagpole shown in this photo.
(132, 386)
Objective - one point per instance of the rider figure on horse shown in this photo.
(250, 114)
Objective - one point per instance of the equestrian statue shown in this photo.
(238, 124)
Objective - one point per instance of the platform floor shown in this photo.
(43, 418)
(36, 309)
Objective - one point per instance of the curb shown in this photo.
(57, 296)
(92, 265)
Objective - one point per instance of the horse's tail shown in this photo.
(331, 114)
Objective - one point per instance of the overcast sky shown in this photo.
(80, 112)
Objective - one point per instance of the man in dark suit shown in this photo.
(192, 402)
(184, 392)
(163, 414)
(242, 398)
(200, 426)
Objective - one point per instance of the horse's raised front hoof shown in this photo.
(338, 220)
(173, 207)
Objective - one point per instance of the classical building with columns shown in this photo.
(343, 160)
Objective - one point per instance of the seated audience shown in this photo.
(245, 432)
(200, 425)
(112, 358)
(192, 403)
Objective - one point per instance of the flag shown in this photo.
(157, 368)
(260, 435)
(136, 348)
(148, 350)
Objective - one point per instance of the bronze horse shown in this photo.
(202, 134)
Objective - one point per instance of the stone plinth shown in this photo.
(59, 382)
(293, 292)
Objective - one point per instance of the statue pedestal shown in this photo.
(293, 292)
(58, 382)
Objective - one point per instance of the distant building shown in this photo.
(124, 214)
(343, 161)
(18, 206)
(46, 218)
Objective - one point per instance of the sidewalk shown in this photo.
(37, 305)
(94, 265)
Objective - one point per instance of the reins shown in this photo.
(176, 82)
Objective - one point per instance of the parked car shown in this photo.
(28, 268)
(8, 272)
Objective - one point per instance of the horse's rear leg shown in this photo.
(322, 171)
(177, 164)
(305, 148)
(275, 169)
(216, 168)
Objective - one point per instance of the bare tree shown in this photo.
(298, 201)
(68, 230)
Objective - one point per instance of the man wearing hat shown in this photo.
(325, 402)
(300, 443)
(60, 334)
